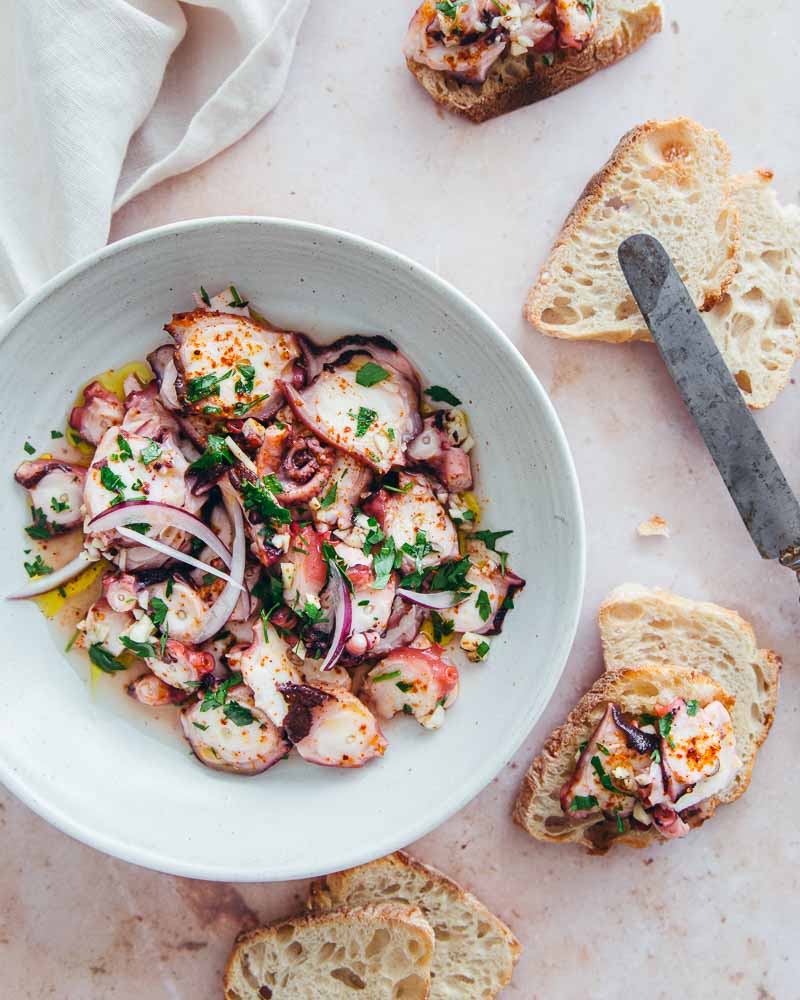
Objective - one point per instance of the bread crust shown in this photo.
(595, 192)
(559, 752)
(319, 892)
(536, 80)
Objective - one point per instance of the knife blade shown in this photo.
(745, 461)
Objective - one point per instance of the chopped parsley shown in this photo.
(238, 714)
(691, 707)
(371, 374)
(58, 505)
(449, 8)
(620, 822)
(665, 728)
(259, 496)
(312, 613)
(200, 725)
(159, 608)
(272, 483)
(588, 6)
(205, 297)
(244, 385)
(583, 803)
(443, 627)
(124, 447)
(452, 576)
(404, 686)
(239, 303)
(397, 489)
(484, 605)
(603, 749)
(150, 453)
(217, 453)
(386, 677)
(216, 697)
(490, 538)
(144, 649)
(111, 481)
(408, 710)
(441, 395)
(101, 658)
(29, 448)
(418, 551)
(205, 385)
(364, 420)
(56, 434)
(39, 528)
(655, 756)
(212, 409)
(374, 536)
(483, 648)
(329, 498)
(384, 561)
(169, 588)
(548, 58)
(38, 567)
(604, 779)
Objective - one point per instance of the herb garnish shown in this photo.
(443, 627)
(216, 697)
(364, 420)
(484, 605)
(240, 409)
(691, 707)
(56, 434)
(237, 713)
(386, 677)
(111, 481)
(259, 496)
(159, 609)
(384, 561)
(236, 302)
(329, 498)
(588, 6)
(29, 448)
(452, 576)
(101, 658)
(418, 551)
(371, 374)
(330, 555)
(665, 728)
(405, 686)
(124, 447)
(204, 385)
(204, 296)
(38, 567)
(441, 395)
(40, 527)
(150, 453)
(244, 385)
(144, 649)
(200, 725)
(483, 648)
(583, 803)
(217, 453)
(58, 505)
(604, 779)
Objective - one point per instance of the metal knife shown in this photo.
(754, 479)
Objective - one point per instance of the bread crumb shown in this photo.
(655, 526)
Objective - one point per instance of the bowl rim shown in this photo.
(165, 862)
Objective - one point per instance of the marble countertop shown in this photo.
(356, 144)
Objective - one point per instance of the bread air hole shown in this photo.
(410, 988)
(348, 978)
(782, 314)
(285, 933)
(561, 313)
(743, 381)
(380, 939)
(626, 309)
(627, 612)
(294, 951)
(326, 951)
(773, 259)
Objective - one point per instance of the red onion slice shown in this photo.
(223, 608)
(44, 584)
(159, 515)
(342, 617)
(438, 601)
(168, 550)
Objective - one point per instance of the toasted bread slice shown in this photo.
(670, 179)
(376, 953)
(635, 690)
(644, 625)
(757, 324)
(515, 81)
(475, 952)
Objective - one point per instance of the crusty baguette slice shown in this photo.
(757, 323)
(636, 690)
(670, 179)
(640, 624)
(514, 81)
(475, 952)
(375, 953)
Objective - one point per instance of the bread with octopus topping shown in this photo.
(374, 952)
(635, 690)
(475, 952)
(646, 625)
(515, 81)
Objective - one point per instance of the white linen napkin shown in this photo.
(101, 99)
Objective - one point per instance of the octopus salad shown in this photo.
(465, 38)
(288, 544)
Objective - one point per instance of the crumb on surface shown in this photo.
(655, 526)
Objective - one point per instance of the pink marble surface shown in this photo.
(356, 145)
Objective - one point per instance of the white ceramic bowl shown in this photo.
(126, 788)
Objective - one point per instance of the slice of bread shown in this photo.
(475, 952)
(636, 690)
(757, 324)
(375, 953)
(645, 625)
(670, 179)
(515, 81)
